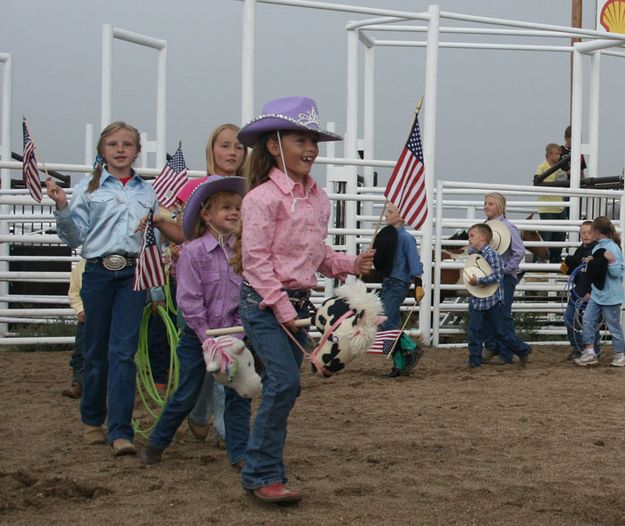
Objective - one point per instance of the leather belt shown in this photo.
(114, 261)
(299, 298)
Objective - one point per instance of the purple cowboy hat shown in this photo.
(287, 113)
(212, 185)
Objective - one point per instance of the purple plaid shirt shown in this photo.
(496, 263)
(515, 254)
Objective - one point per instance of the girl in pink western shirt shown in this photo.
(284, 226)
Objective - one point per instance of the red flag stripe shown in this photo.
(172, 178)
(377, 347)
(30, 171)
(149, 271)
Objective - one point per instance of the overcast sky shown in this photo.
(496, 110)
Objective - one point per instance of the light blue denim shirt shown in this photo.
(612, 291)
(104, 221)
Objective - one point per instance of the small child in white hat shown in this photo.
(488, 310)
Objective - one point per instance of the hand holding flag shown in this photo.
(149, 272)
(171, 179)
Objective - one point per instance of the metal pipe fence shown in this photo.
(539, 293)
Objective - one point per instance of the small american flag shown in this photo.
(30, 172)
(384, 341)
(149, 272)
(406, 187)
(171, 179)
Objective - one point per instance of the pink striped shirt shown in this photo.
(284, 249)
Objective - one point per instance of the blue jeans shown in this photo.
(393, 294)
(555, 253)
(282, 359)
(210, 402)
(112, 318)
(509, 285)
(573, 321)
(490, 339)
(494, 317)
(611, 317)
(76, 361)
(192, 372)
(236, 417)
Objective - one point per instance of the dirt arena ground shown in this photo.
(447, 445)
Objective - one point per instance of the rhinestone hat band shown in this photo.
(309, 119)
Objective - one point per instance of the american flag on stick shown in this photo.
(171, 179)
(149, 272)
(384, 341)
(30, 172)
(406, 187)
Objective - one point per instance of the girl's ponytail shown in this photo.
(94, 184)
(260, 162)
(603, 225)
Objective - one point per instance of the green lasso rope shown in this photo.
(151, 398)
(169, 301)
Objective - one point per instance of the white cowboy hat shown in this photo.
(476, 265)
(501, 236)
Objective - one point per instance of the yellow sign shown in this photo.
(611, 16)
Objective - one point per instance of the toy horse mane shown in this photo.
(361, 301)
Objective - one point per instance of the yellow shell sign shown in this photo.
(611, 15)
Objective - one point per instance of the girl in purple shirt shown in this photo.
(208, 296)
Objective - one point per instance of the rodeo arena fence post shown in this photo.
(31, 249)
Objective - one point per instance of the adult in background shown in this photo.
(556, 210)
(565, 149)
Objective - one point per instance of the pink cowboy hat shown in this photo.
(287, 113)
(208, 187)
(186, 191)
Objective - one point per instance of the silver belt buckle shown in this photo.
(114, 262)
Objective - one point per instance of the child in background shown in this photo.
(207, 294)
(406, 267)
(77, 359)
(579, 293)
(224, 156)
(605, 269)
(489, 311)
(495, 208)
(285, 224)
(103, 217)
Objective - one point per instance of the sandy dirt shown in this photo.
(447, 445)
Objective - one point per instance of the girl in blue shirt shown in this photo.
(605, 269)
(102, 217)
